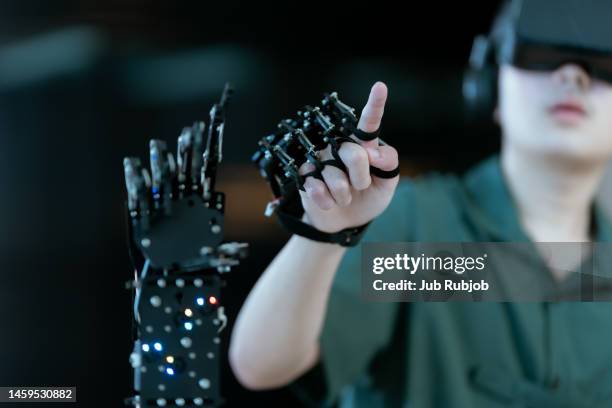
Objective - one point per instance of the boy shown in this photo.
(305, 318)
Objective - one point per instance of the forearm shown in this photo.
(277, 330)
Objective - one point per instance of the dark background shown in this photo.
(85, 83)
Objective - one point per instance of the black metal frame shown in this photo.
(175, 236)
(296, 141)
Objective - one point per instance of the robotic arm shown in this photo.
(175, 228)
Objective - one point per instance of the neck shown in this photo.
(553, 194)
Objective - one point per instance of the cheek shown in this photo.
(603, 103)
(521, 100)
(601, 99)
(522, 95)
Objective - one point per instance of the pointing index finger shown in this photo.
(372, 113)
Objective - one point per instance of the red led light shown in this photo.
(212, 300)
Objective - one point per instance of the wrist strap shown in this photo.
(290, 212)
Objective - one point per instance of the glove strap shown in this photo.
(290, 212)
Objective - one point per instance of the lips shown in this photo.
(568, 112)
(569, 107)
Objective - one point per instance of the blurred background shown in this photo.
(84, 83)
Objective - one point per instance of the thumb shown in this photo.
(383, 157)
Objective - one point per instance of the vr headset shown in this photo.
(540, 35)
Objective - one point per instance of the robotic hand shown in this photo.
(175, 228)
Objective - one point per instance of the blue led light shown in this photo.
(170, 371)
(200, 301)
(157, 346)
(155, 190)
(188, 325)
(145, 348)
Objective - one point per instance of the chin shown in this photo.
(568, 146)
(574, 139)
(580, 151)
(580, 141)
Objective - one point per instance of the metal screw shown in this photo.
(204, 383)
(156, 301)
(215, 229)
(186, 342)
(145, 242)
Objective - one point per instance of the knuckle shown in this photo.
(392, 152)
(326, 153)
(361, 183)
(395, 155)
(355, 156)
(379, 102)
(306, 168)
(319, 195)
(317, 192)
(373, 120)
(340, 187)
(372, 113)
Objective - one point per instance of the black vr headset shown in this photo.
(540, 35)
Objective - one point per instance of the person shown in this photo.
(305, 323)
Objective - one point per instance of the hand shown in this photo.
(343, 201)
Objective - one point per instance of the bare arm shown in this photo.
(280, 322)
(276, 336)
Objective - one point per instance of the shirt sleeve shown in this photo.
(355, 330)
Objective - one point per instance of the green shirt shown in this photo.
(466, 355)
